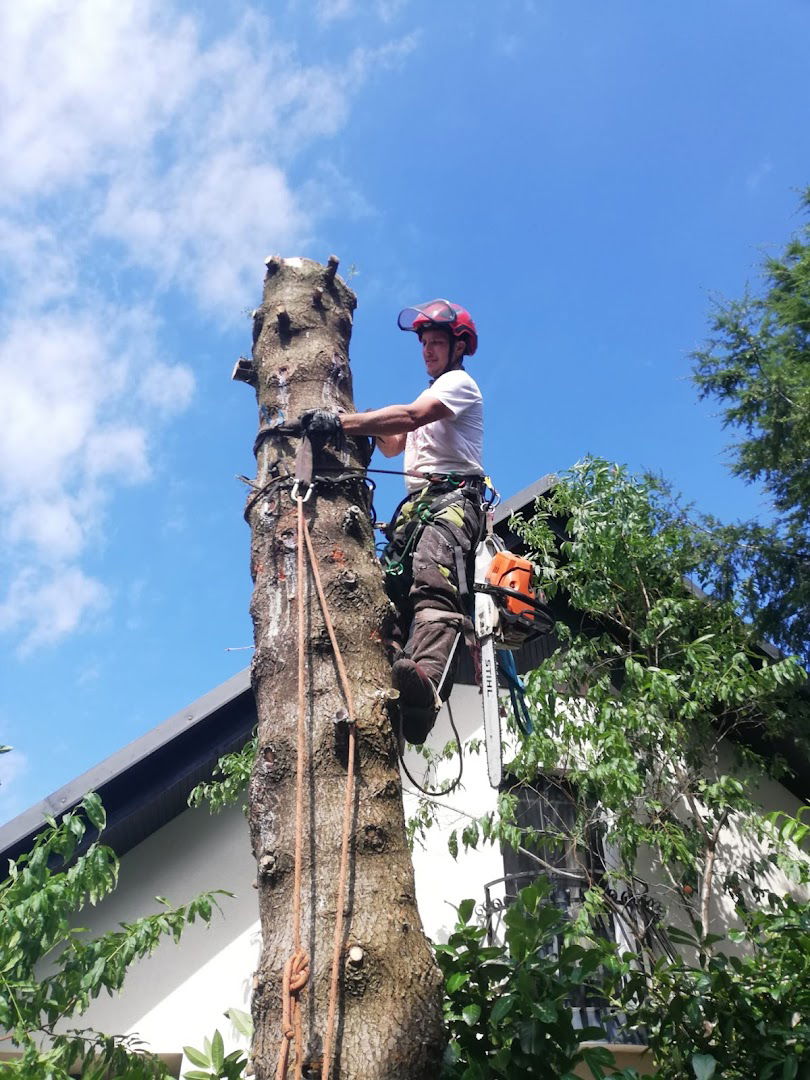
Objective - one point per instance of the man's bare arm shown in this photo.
(392, 423)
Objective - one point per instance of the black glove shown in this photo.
(321, 425)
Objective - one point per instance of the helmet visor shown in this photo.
(434, 311)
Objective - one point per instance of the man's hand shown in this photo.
(321, 425)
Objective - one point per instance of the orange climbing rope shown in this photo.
(296, 970)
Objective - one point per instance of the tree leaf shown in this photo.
(501, 1008)
(242, 1021)
(790, 1068)
(92, 806)
(456, 981)
(471, 1014)
(703, 1066)
(217, 1051)
(197, 1057)
(465, 910)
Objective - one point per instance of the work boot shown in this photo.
(419, 703)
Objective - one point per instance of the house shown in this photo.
(178, 996)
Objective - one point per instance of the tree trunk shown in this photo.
(388, 1022)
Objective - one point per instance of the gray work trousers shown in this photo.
(429, 589)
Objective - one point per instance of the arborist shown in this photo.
(441, 519)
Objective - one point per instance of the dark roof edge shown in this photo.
(30, 820)
(525, 498)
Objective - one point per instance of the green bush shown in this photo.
(507, 1007)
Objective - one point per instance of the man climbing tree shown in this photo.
(440, 520)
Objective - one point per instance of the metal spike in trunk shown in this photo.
(388, 1024)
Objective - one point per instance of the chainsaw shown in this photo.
(508, 613)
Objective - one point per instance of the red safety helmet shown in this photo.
(441, 315)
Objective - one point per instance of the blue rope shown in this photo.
(517, 691)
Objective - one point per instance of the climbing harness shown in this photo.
(505, 611)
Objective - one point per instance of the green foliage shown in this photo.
(230, 779)
(50, 970)
(756, 366)
(650, 711)
(735, 1016)
(795, 830)
(651, 706)
(213, 1063)
(507, 1007)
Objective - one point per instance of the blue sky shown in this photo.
(584, 177)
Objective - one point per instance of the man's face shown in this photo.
(436, 352)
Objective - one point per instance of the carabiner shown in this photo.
(294, 493)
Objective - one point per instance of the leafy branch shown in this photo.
(45, 888)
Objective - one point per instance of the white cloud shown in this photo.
(41, 607)
(78, 408)
(166, 387)
(117, 451)
(184, 149)
(137, 153)
(52, 525)
(755, 178)
(32, 263)
(330, 10)
(13, 767)
(51, 388)
(83, 82)
(207, 224)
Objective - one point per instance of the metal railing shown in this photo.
(589, 1008)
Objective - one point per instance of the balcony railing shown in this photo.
(639, 910)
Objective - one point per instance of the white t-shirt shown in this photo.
(455, 444)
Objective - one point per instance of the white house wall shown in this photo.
(177, 996)
(442, 882)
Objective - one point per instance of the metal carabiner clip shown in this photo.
(294, 492)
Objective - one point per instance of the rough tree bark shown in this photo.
(389, 1017)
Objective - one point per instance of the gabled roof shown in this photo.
(147, 783)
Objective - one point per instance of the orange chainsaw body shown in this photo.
(508, 571)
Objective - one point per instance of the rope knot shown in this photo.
(296, 976)
(299, 971)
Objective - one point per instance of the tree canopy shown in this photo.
(654, 722)
(756, 365)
